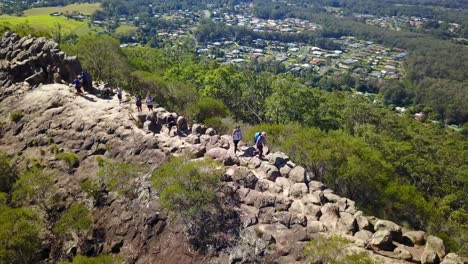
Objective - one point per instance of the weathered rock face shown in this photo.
(34, 60)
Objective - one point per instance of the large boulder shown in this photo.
(390, 226)
(416, 237)
(297, 174)
(429, 257)
(435, 244)
(382, 239)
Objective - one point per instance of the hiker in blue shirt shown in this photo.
(261, 141)
(77, 84)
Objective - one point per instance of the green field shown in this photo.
(44, 22)
(39, 19)
(85, 9)
(125, 30)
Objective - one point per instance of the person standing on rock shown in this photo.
(138, 103)
(236, 137)
(261, 141)
(149, 103)
(171, 122)
(77, 84)
(119, 93)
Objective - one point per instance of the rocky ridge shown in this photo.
(280, 205)
(35, 61)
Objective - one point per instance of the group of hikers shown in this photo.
(84, 80)
(149, 102)
(259, 140)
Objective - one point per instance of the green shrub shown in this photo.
(101, 259)
(19, 235)
(3, 198)
(70, 158)
(332, 250)
(117, 176)
(16, 116)
(208, 107)
(217, 124)
(54, 149)
(76, 219)
(35, 186)
(8, 174)
(187, 188)
(90, 187)
(276, 134)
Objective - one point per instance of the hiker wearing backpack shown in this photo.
(86, 81)
(260, 141)
(77, 84)
(236, 137)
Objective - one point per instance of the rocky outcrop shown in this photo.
(35, 61)
(280, 205)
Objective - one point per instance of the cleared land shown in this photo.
(40, 19)
(85, 9)
(125, 29)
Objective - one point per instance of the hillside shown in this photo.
(270, 210)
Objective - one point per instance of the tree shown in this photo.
(188, 189)
(118, 177)
(19, 235)
(76, 219)
(36, 186)
(208, 107)
(8, 174)
(102, 57)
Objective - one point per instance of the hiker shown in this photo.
(170, 122)
(149, 103)
(236, 137)
(57, 78)
(87, 81)
(260, 143)
(119, 93)
(138, 103)
(78, 86)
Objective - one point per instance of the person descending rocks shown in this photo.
(77, 84)
(138, 103)
(236, 137)
(87, 81)
(149, 103)
(170, 122)
(260, 143)
(119, 93)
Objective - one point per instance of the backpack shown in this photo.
(257, 135)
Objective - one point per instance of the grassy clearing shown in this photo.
(47, 23)
(86, 9)
(125, 29)
(44, 22)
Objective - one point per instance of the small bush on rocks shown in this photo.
(332, 250)
(76, 219)
(16, 116)
(69, 157)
